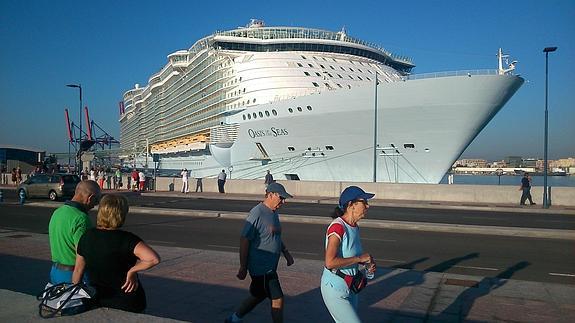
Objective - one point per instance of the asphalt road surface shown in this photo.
(545, 260)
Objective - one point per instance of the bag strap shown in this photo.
(72, 289)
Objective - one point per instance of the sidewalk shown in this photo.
(200, 286)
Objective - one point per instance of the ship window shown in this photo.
(412, 146)
(303, 57)
(351, 77)
(368, 78)
(315, 84)
(299, 109)
(292, 177)
(329, 147)
(329, 75)
(351, 69)
(299, 64)
(349, 86)
(309, 107)
(360, 63)
(310, 65)
(370, 72)
(315, 58)
(360, 70)
(327, 85)
(332, 67)
(274, 112)
(340, 76)
(359, 77)
(427, 150)
(324, 59)
(249, 117)
(261, 114)
(290, 110)
(255, 115)
(306, 73)
(316, 73)
(339, 85)
(343, 69)
(321, 66)
(267, 113)
(244, 116)
(244, 90)
(290, 148)
(352, 62)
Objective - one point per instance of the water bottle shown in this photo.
(365, 268)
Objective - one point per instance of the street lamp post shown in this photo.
(546, 50)
(79, 86)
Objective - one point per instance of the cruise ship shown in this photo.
(307, 104)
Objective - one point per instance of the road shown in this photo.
(547, 260)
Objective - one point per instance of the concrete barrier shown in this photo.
(504, 194)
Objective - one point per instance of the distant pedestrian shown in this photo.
(260, 248)
(450, 179)
(343, 254)
(185, 184)
(18, 175)
(269, 178)
(118, 177)
(113, 258)
(135, 177)
(101, 178)
(93, 174)
(14, 177)
(142, 180)
(526, 188)
(199, 185)
(222, 181)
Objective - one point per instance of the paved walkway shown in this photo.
(200, 286)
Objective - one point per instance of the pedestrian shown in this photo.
(222, 181)
(135, 177)
(260, 248)
(185, 185)
(526, 188)
(142, 180)
(93, 174)
(67, 224)
(112, 258)
(18, 175)
(101, 178)
(344, 254)
(14, 177)
(199, 185)
(269, 178)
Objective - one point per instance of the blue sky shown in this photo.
(108, 46)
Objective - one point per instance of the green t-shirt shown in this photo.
(67, 226)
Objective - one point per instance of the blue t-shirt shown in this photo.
(264, 232)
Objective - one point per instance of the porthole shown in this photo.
(261, 114)
(329, 147)
(249, 117)
(290, 148)
(244, 116)
(299, 109)
(309, 107)
(290, 110)
(254, 100)
(274, 112)
(267, 113)
(255, 115)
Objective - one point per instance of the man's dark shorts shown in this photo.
(266, 286)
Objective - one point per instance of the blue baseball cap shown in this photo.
(276, 187)
(353, 193)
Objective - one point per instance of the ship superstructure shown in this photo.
(303, 103)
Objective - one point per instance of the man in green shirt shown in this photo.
(67, 225)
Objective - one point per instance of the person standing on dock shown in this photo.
(526, 188)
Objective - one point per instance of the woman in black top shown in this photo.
(113, 257)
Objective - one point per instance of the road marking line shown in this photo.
(479, 268)
(220, 246)
(159, 241)
(389, 260)
(383, 240)
(303, 253)
(564, 275)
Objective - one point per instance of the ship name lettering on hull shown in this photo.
(271, 132)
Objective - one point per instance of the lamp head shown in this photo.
(73, 85)
(549, 49)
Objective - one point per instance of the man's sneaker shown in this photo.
(533, 203)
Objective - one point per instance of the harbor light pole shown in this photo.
(546, 50)
(79, 86)
(375, 132)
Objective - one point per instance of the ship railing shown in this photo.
(450, 73)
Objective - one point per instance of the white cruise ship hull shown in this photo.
(423, 127)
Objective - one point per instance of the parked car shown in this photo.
(54, 187)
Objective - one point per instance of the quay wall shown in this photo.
(504, 194)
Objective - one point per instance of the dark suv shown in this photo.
(53, 187)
